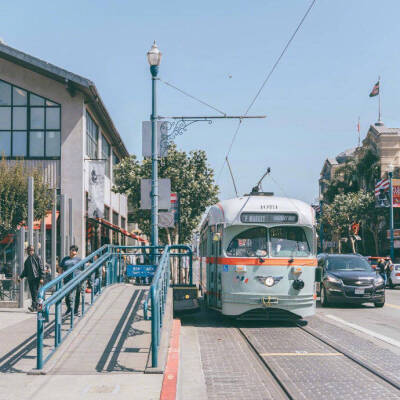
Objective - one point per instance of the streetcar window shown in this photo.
(288, 241)
(246, 243)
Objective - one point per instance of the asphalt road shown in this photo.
(379, 323)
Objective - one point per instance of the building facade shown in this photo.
(55, 119)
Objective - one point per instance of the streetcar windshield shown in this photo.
(248, 242)
(285, 241)
(288, 241)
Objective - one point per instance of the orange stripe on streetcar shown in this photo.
(266, 261)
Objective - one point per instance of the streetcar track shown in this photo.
(265, 364)
(351, 357)
(337, 348)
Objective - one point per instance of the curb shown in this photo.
(169, 385)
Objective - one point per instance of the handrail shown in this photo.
(104, 255)
(158, 295)
(60, 278)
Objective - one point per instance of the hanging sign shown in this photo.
(162, 139)
(164, 194)
(96, 189)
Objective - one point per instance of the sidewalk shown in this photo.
(104, 358)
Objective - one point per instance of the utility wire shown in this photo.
(265, 82)
(192, 97)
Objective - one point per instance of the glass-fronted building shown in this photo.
(55, 119)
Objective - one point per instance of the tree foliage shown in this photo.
(191, 177)
(349, 198)
(14, 195)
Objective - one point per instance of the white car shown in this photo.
(394, 278)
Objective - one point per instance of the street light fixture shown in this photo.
(390, 169)
(154, 59)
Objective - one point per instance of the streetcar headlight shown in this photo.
(269, 281)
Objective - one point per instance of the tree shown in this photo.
(191, 178)
(347, 208)
(14, 196)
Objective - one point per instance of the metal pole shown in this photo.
(43, 244)
(154, 160)
(71, 240)
(21, 250)
(30, 210)
(391, 216)
(321, 228)
(54, 235)
(62, 226)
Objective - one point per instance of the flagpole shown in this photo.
(358, 129)
(379, 95)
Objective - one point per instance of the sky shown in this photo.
(221, 52)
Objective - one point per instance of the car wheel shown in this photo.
(379, 305)
(323, 297)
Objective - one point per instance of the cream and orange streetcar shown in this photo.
(258, 257)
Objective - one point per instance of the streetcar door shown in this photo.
(218, 269)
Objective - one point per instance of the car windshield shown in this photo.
(350, 263)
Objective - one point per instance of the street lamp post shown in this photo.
(390, 174)
(154, 58)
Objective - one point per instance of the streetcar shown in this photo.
(258, 257)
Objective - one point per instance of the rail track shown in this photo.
(332, 349)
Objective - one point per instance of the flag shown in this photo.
(382, 184)
(375, 90)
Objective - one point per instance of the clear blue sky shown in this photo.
(312, 101)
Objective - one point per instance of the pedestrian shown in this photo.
(381, 266)
(388, 269)
(67, 263)
(34, 272)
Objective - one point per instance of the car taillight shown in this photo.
(398, 274)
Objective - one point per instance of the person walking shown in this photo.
(67, 263)
(388, 270)
(34, 272)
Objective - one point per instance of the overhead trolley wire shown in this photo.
(264, 83)
(193, 97)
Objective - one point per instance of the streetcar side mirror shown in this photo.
(318, 274)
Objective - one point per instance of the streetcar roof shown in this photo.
(228, 212)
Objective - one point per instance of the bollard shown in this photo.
(39, 358)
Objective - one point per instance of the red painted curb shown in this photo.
(168, 390)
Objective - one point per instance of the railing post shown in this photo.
(154, 326)
(39, 356)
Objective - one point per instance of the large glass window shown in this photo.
(115, 161)
(30, 125)
(92, 137)
(284, 241)
(105, 154)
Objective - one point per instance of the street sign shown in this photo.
(162, 139)
(164, 194)
(166, 219)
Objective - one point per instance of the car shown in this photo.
(394, 278)
(349, 278)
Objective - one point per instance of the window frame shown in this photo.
(95, 144)
(28, 129)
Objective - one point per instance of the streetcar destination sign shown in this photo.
(268, 218)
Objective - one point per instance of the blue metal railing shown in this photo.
(157, 297)
(110, 257)
(89, 267)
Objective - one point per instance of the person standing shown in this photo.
(67, 263)
(34, 272)
(381, 266)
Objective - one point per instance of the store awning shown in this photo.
(116, 228)
(37, 224)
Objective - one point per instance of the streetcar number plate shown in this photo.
(359, 291)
